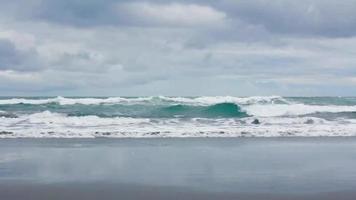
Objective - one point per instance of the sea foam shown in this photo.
(47, 124)
(294, 109)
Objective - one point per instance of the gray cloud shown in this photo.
(257, 47)
(8, 55)
(79, 13)
(306, 17)
(122, 13)
(12, 58)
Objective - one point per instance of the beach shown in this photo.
(182, 100)
(178, 168)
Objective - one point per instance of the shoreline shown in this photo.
(94, 191)
(185, 137)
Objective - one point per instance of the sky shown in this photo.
(177, 48)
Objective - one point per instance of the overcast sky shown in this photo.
(190, 48)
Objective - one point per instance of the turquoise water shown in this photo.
(163, 107)
(121, 110)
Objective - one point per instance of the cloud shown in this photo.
(298, 18)
(12, 58)
(172, 14)
(124, 13)
(22, 41)
(304, 18)
(176, 47)
(69, 12)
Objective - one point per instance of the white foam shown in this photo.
(137, 100)
(25, 101)
(70, 101)
(47, 124)
(85, 121)
(272, 110)
(210, 100)
(93, 101)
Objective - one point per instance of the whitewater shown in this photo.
(163, 116)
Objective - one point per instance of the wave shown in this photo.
(160, 107)
(48, 124)
(70, 101)
(333, 116)
(211, 100)
(136, 110)
(146, 100)
(217, 110)
(222, 110)
(273, 110)
(4, 114)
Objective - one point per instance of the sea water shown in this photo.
(162, 116)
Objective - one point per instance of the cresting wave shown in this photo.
(217, 110)
(223, 110)
(161, 106)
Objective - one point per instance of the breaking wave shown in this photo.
(213, 111)
(143, 100)
(55, 125)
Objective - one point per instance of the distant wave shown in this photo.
(144, 100)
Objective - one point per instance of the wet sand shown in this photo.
(195, 168)
(94, 191)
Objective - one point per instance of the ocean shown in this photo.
(163, 116)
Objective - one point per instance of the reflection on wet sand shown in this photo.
(203, 167)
